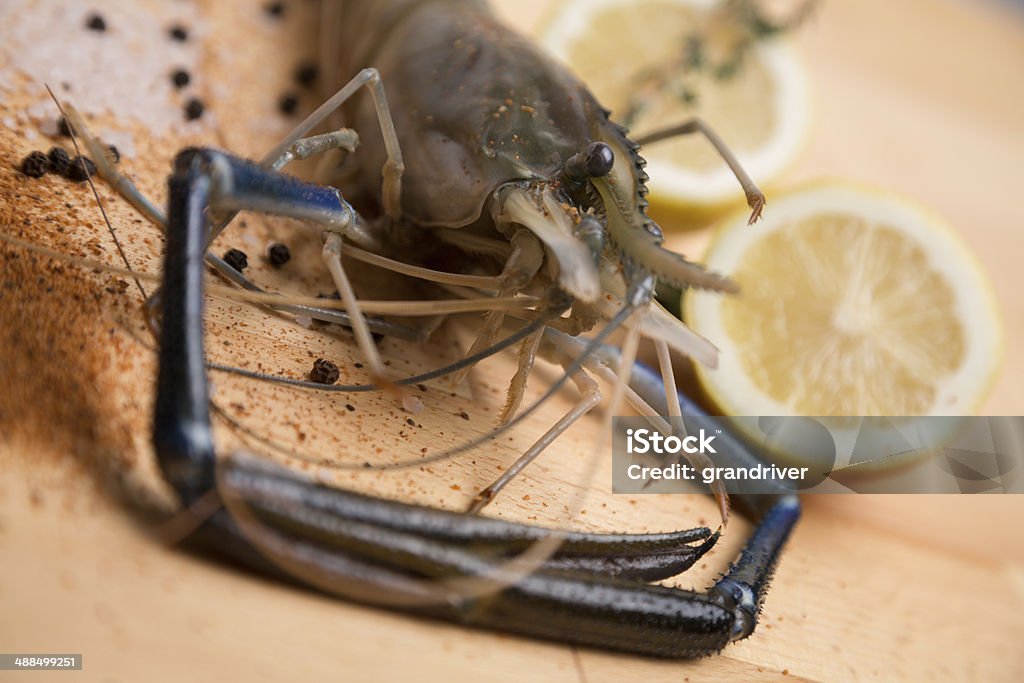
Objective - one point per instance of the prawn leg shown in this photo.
(286, 503)
(370, 550)
(755, 198)
(522, 264)
(590, 397)
(391, 187)
(205, 180)
(343, 139)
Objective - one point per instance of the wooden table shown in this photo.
(921, 96)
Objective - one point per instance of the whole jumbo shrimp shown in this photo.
(486, 147)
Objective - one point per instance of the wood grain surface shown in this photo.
(922, 96)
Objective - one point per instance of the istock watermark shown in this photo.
(645, 441)
(820, 454)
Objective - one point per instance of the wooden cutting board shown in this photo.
(921, 96)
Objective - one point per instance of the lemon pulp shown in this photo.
(850, 306)
(852, 302)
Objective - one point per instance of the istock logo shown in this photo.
(647, 441)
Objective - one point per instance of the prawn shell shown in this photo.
(475, 105)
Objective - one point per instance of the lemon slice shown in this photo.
(761, 111)
(852, 302)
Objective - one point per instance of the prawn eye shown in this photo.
(599, 160)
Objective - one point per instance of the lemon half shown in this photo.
(761, 111)
(852, 302)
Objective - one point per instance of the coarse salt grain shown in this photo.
(411, 404)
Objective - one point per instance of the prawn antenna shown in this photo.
(468, 361)
(591, 347)
(96, 195)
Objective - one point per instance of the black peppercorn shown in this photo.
(180, 78)
(278, 254)
(193, 109)
(324, 372)
(306, 75)
(237, 259)
(35, 165)
(96, 23)
(81, 169)
(288, 104)
(60, 162)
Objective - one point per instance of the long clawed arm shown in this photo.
(279, 519)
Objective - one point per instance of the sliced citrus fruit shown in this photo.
(655, 63)
(852, 302)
